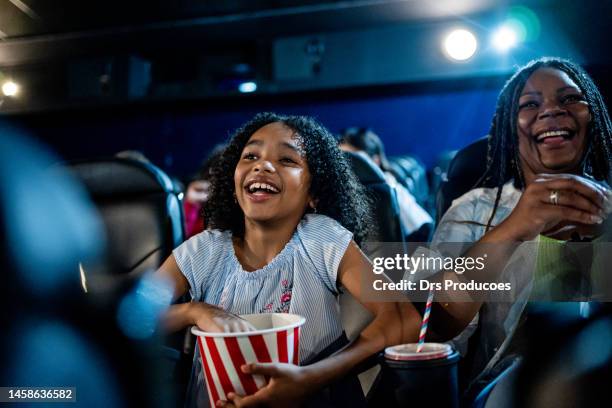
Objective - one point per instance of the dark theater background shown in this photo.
(81, 81)
(164, 77)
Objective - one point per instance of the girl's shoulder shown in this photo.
(211, 236)
(321, 226)
(205, 244)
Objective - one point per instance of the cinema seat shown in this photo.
(409, 171)
(386, 215)
(140, 210)
(143, 221)
(53, 333)
(464, 171)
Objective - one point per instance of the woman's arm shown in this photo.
(581, 202)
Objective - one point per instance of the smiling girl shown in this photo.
(285, 212)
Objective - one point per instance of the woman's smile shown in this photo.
(553, 118)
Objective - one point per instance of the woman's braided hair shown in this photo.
(503, 161)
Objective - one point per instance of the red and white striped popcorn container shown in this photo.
(277, 339)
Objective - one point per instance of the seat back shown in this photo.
(140, 210)
(464, 171)
(412, 175)
(386, 216)
(386, 207)
(56, 333)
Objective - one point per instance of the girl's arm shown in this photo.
(393, 323)
(206, 317)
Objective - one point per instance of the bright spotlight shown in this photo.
(10, 88)
(460, 45)
(504, 38)
(247, 87)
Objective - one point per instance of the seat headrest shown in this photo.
(128, 177)
(469, 164)
(366, 170)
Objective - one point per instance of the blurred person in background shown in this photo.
(196, 195)
(416, 221)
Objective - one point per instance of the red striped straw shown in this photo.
(425, 321)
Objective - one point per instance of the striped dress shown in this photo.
(301, 279)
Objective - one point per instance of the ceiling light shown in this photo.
(10, 88)
(504, 38)
(247, 87)
(460, 45)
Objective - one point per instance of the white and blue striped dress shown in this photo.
(301, 279)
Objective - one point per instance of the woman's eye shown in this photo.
(572, 98)
(249, 156)
(287, 160)
(528, 104)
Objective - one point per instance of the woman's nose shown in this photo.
(551, 109)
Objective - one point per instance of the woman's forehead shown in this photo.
(548, 79)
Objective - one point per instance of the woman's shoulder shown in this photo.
(484, 197)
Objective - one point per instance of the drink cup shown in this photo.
(276, 339)
(425, 378)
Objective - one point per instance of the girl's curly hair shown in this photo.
(339, 193)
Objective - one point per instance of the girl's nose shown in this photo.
(264, 165)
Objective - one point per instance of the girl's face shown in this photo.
(552, 123)
(272, 180)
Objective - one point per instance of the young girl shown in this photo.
(284, 208)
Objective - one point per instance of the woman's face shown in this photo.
(272, 179)
(553, 118)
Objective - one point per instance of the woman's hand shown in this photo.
(288, 386)
(579, 202)
(211, 318)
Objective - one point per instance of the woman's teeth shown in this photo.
(262, 186)
(553, 133)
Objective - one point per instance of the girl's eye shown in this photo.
(528, 105)
(288, 160)
(249, 156)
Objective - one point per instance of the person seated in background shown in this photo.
(416, 221)
(284, 216)
(196, 195)
(549, 156)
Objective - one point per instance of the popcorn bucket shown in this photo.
(276, 339)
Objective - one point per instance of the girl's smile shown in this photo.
(272, 179)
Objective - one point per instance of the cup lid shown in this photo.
(408, 352)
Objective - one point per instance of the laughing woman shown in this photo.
(549, 158)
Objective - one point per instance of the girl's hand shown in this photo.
(211, 318)
(289, 385)
(579, 202)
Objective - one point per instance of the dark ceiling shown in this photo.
(38, 30)
(51, 43)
